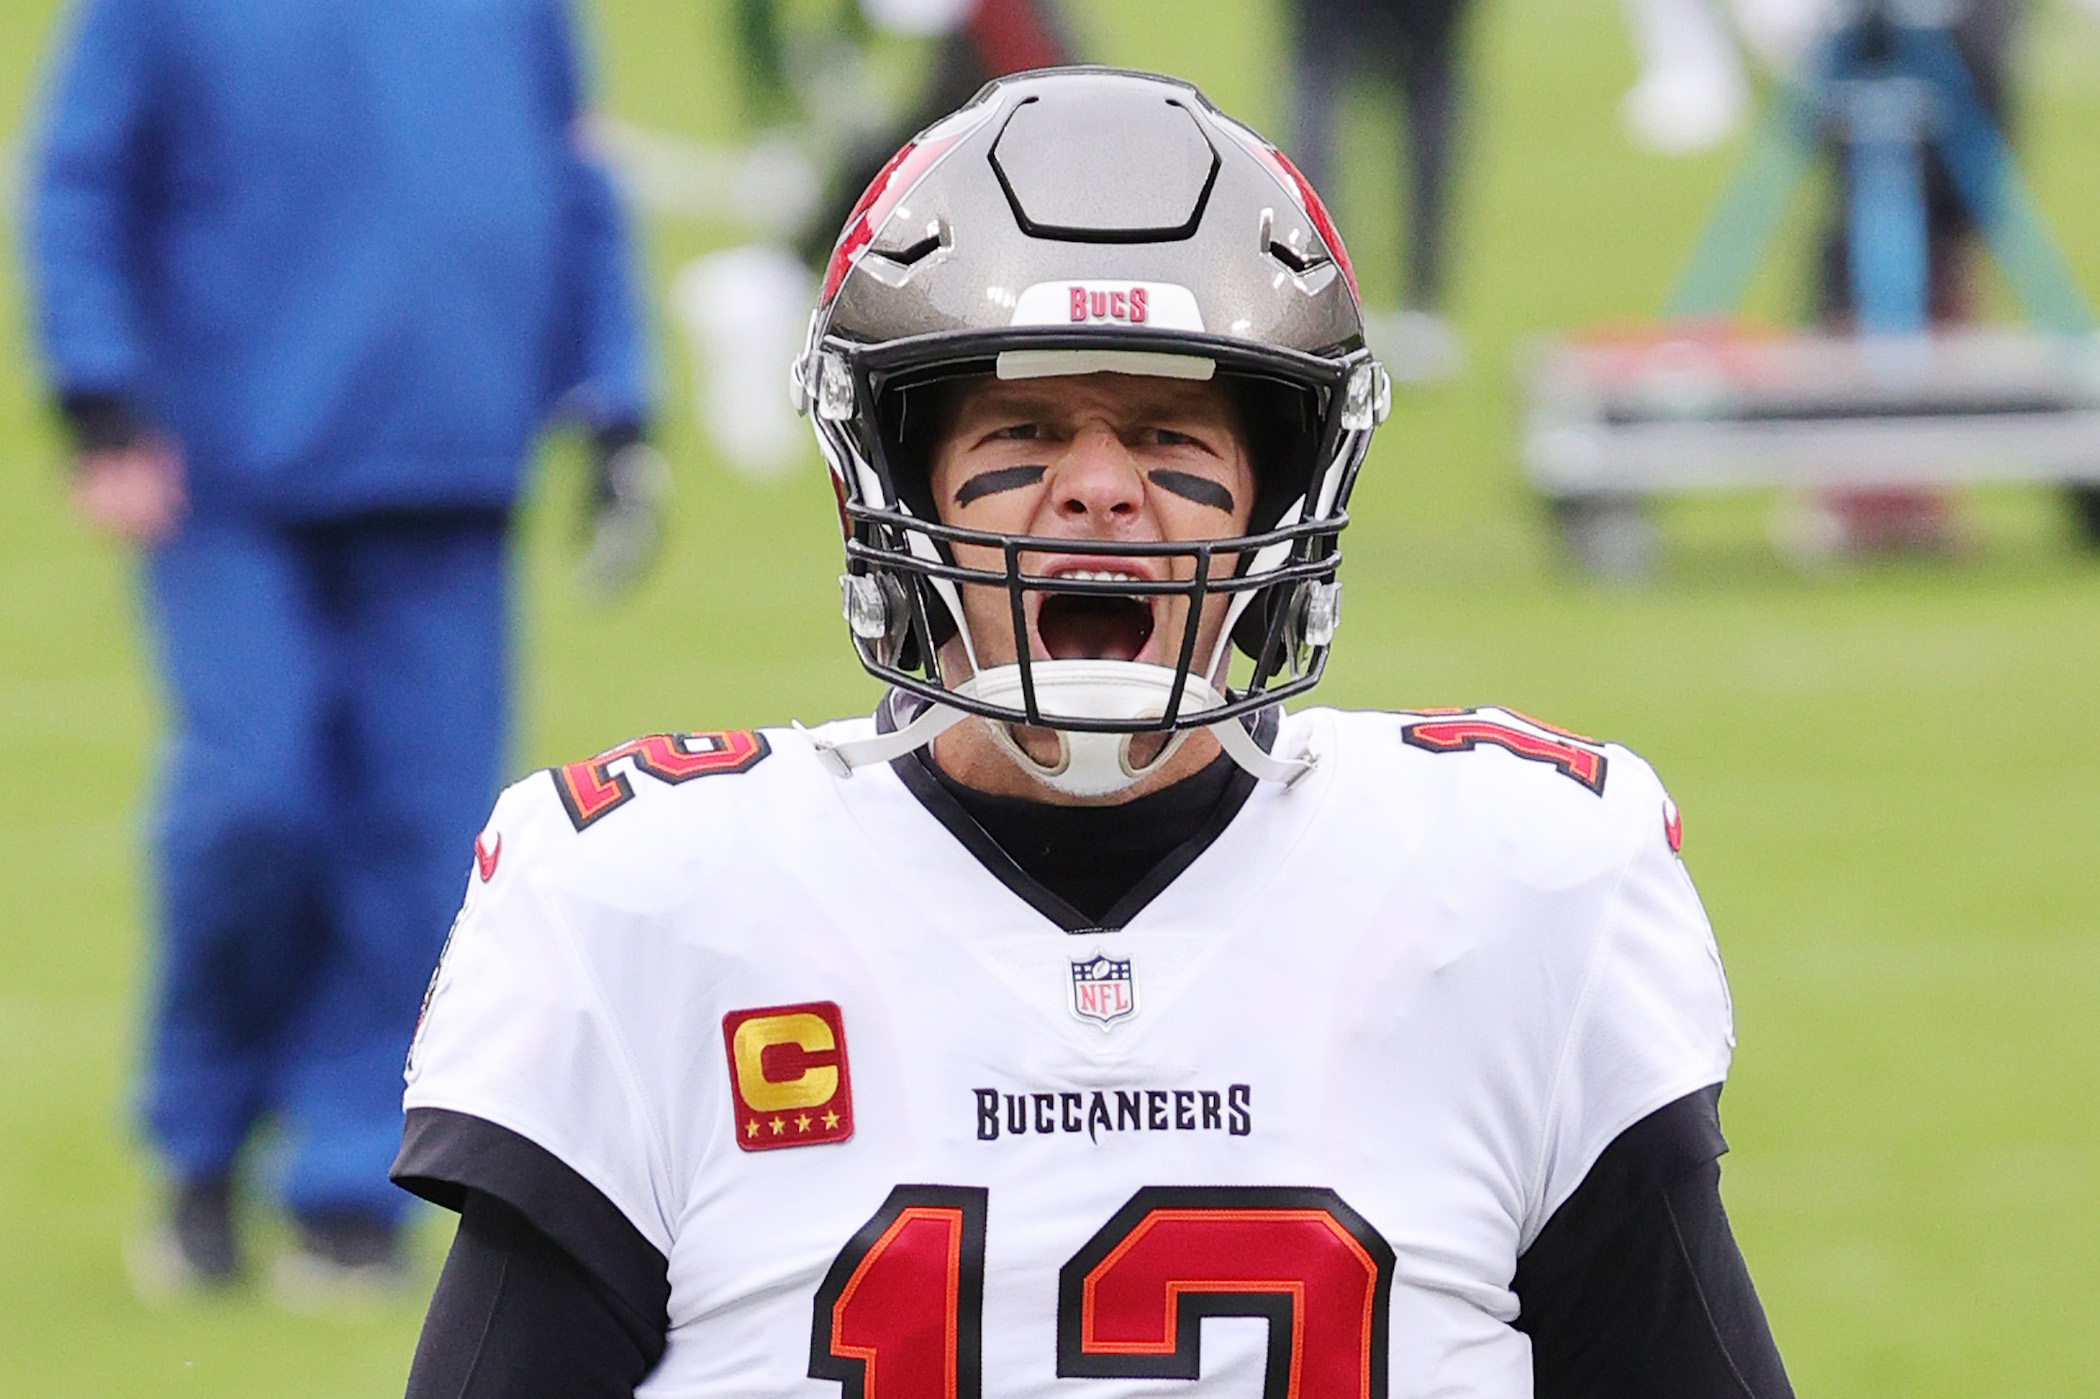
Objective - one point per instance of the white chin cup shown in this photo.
(1090, 764)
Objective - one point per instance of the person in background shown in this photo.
(309, 280)
(745, 308)
(977, 41)
(1886, 520)
(1413, 44)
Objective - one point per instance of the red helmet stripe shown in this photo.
(838, 491)
(876, 203)
(1317, 212)
(1308, 200)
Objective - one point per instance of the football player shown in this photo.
(1082, 1021)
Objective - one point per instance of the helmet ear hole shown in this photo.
(931, 625)
(1281, 425)
(912, 418)
(1251, 633)
(1300, 616)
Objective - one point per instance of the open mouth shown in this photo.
(1097, 627)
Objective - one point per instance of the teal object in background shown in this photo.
(1895, 91)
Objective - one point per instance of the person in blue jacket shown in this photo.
(309, 281)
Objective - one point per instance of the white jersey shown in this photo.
(900, 1135)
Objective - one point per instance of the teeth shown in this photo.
(1088, 575)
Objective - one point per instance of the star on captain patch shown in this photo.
(1104, 990)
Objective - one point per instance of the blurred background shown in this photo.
(1888, 765)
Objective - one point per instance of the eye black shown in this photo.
(1200, 489)
(1005, 478)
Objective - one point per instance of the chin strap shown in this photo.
(1089, 765)
(1239, 745)
(843, 759)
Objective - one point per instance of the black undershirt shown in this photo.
(1634, 1289)
(1091, 857)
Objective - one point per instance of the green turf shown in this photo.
(1888, 774)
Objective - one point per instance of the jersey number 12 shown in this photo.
(900, 1315)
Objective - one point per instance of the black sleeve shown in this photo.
(1635, 1288)
(547, 1284)
(514, 1317)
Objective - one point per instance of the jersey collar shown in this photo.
(898, 709)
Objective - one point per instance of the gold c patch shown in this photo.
(787, 1072)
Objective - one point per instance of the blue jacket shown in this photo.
(349, 253)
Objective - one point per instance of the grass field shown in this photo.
(1889, 774)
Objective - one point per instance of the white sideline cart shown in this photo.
(1613, 421)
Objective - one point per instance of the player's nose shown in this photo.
(1096, 478)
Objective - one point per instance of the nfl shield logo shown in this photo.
(1103, 990)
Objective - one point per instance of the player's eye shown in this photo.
(1017, 432)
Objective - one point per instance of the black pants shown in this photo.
(1414, 44)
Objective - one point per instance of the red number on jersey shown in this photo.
(1130, 1304)
(901, 1313)
(1467, 731)
(591, 790)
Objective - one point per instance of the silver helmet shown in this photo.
(1075, 221)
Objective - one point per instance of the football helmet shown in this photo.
(1077, 221)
